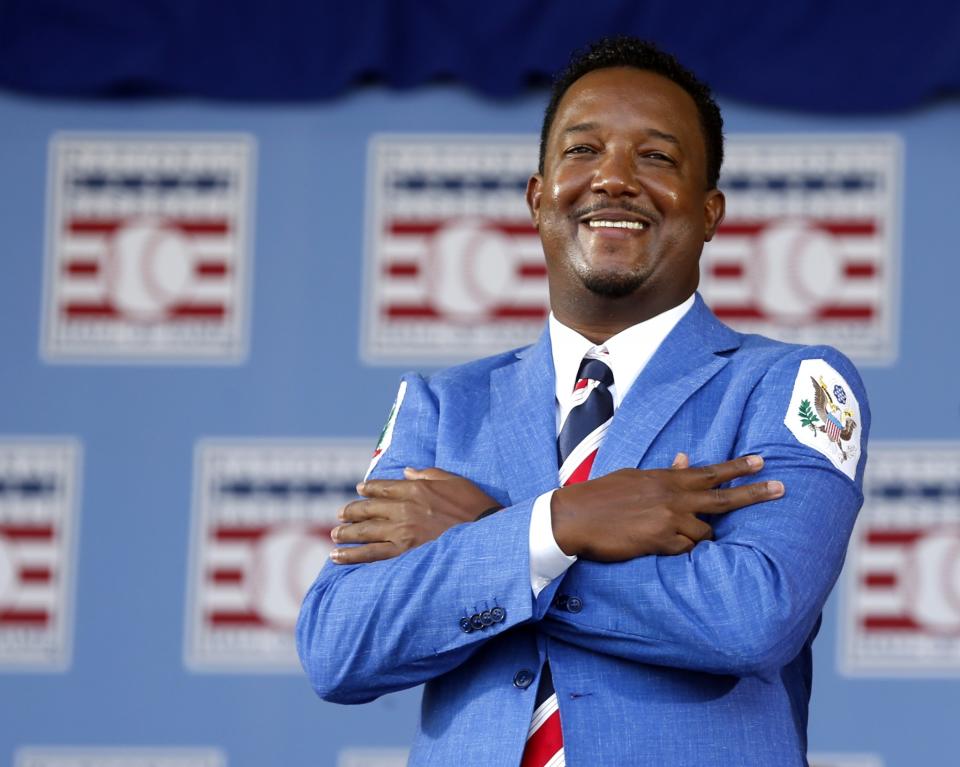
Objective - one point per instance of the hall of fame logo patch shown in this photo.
(147, 248)
(844, 760)
(386, 436)
(901, 606)
(38, 495)
(824, 414)
(263, 512)
(809, 249)
(454, 265)
(65, 756)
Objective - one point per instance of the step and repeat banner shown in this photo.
(205, 310)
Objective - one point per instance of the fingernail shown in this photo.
(334, 533)
(775, 487)
(755, 461)
(335, 555)
(360, 488)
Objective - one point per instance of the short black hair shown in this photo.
(626, 51)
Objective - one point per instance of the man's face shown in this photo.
(622, 206)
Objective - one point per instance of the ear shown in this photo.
(714, 207)
(534, 192)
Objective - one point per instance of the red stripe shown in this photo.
(727, 271)
(226, 575)
(211, 268)
(738, 313)
(582, 472)
(893, 537)
(402, 269)
(82, 268)
(840, 227)
(520, 312)
(90, 310)
(880, 580)
(544, 743)
(181, 311)
(35, 574)
(27, 532)
(859, 270)
(408, 312)
(532, 270)
(512, 228)
(890, 623)
(198, 310)
(24, 617)
(416, 311)
(188, 226)
(581, 384)
(240, 533)
(846, 313)
(227, 618)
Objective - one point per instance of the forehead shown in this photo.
(629, 98)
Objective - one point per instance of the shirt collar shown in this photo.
(627, 353)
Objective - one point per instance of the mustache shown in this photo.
(638, 210)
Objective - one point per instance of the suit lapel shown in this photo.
(523, 412)
(685, 361)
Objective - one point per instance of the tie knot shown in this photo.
(595, 370)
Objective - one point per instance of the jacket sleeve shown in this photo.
(366, 630)
(746, 602)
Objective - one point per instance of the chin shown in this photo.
(611, 284)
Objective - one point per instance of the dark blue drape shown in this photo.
(827, 56)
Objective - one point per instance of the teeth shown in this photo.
(638, 225)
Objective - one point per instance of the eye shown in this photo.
(656, 154)
(580, 149)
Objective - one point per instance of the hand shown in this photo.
(401, 514)
(633, 512)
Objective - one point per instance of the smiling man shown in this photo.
(611, 547)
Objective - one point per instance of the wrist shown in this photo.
(562, 519)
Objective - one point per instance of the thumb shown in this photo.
(682, 461)
(429, 473)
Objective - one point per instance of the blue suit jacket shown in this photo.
(700, 659)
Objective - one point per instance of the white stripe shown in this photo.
(557, 760)
(587, 445)
(543, 712)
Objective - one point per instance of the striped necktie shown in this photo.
(577, 445)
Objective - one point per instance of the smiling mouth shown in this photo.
(600, 223)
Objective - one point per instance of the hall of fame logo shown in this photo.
(65, 756)
(38, 493)
(263, 512)
(844, 760)
(901, 611)
(147, 248)
(809, 249)
(454, 266)
(808, 252)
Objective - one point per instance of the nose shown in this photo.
(615, 175)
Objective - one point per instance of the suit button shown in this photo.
(476, 622)
(486, 618)
(465, 626)
(498, 614)
(523, 678)
(574, 605)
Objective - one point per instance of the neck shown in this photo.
(598, 318)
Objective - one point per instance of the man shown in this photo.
(627, 608)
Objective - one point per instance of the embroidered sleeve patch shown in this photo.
(386, 436)
(824, 414)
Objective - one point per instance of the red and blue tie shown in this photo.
(577, 445)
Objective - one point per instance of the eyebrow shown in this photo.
(584, 127)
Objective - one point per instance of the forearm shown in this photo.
(742, 604)
(372, 629)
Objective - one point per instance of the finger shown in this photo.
(385, 488)
(372, 531)
(703, 477)
(682, 461)
(429, 473)
(695, 529)
(722, 500)
(680, 544)
(360, 511)
(372, 552)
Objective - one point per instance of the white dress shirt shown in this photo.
(626, 353)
